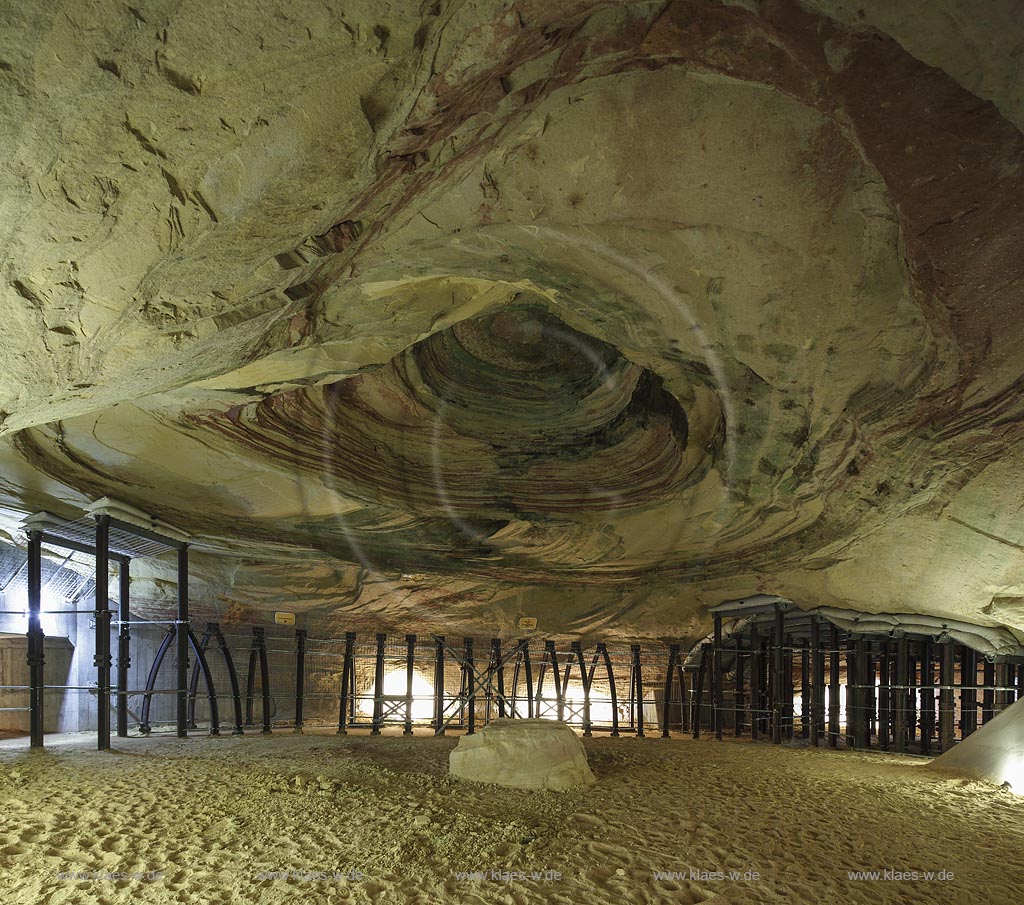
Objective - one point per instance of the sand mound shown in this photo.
(995, 752)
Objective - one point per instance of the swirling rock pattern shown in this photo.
(598, 313)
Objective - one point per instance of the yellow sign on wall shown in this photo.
(284, 618)
(528, 622)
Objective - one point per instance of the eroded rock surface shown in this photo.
(523, 754)
(447, 314)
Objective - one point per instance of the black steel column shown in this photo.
(738, 700)
(260, 637)
(756, 671)
(470, 675)
(946, 705)
(852, 693)
(927, 693)
(716, 679)
(124, 660)
(577, 651)
(181, 643)
(901, 693)
(498, 674)
(378, 685)
(552, 656)
(779, 640)
(300, 675)
(673, 653)
(348, 664)
(528, 676)
(602, 649)
(884, 697)
(817, 682)
(789, 709)
(1004, 679)
(439, 685)
(988, 697)
(102, 657)
(35, 639)
(805, 693)
(229, 662)
(968, 691)
(833, 689)
(698, 691)
(250, 678)
(410, 669)
(638, 689)
(870, 694)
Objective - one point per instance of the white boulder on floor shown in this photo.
(523, 754)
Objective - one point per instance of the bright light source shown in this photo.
(395, 684)
(48, 621)
(572, 693)
(1012, 773)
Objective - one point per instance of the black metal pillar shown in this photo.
(1004, 679)
(348, 664)
(410, 672)
(469, 679)
(181, 643)
(35, 639)
(378, 685)
(805, 693)
(716, 679)
(756, 671)
(968, 691)
(789, 709)
(946, 705)
(638, 689)
(602, 649)
(870, 699)
(901, 694)
(439, 685)
(102, 656)
(552, 656)
(229, 663)
(528, 676)
(853, 709)
(260, 639)
(154, 671)
(698, 690)
(211, 691)
(927, 692)
(817, 690)
(193, 685)
(884, 697)
(124, 636)
(833, 689)
(988, 695)
(738, 701)
(577, 652)
(666, 701)
(300, 676)
(778, 639)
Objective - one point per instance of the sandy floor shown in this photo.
(212, 817)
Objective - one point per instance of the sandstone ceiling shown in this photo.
(451, 313)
